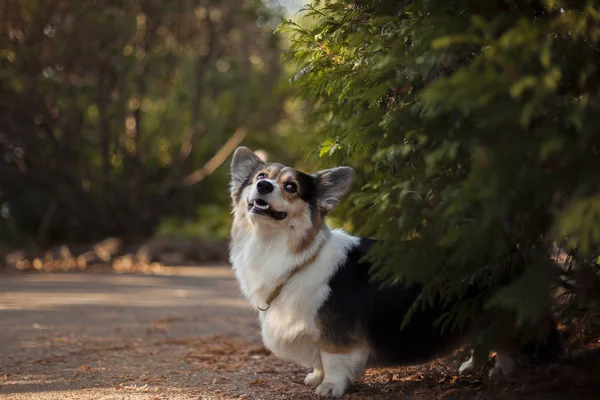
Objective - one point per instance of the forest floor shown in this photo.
(185, 333)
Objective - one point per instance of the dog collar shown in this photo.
(294, 271)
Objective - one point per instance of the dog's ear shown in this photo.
(243, 163)
(332, 185)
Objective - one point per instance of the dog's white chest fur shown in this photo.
(289, 326)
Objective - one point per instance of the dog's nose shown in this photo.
(264, 187)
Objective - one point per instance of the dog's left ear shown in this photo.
(243, 163)
(332, 185)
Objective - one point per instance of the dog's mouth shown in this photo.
(261, 207)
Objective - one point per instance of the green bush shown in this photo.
(475, 129)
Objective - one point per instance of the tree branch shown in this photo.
(212, 164)
(218, 159)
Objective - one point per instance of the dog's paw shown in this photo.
(331, 389)
(314, 378)
(467, 366)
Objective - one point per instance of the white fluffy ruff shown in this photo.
(289, 327)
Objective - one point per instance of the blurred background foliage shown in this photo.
(115, 115)
(475, 128)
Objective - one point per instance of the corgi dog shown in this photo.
(311, 285)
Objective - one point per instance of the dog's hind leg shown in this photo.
(341, 370)
(468, 365)
(506, 364)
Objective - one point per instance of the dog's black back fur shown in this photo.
(359, 309)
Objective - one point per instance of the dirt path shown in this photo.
(108, 336)
(189, 335)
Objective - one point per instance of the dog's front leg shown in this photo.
(341, 370)
(315, 378)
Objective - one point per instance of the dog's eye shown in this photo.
(290, 187)
(261, 176)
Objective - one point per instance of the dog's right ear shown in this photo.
(332, 185)
(243, 163)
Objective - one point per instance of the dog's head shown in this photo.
(273, 197)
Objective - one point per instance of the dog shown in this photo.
(311, 286)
